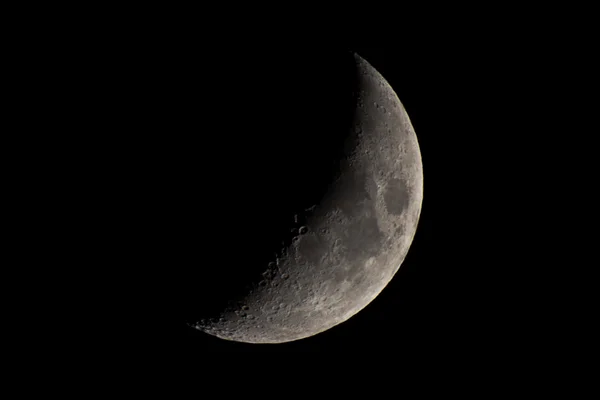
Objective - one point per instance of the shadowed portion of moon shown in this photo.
(265, 149)
(292, 192)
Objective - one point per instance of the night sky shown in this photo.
(168, 147)
(184, 193)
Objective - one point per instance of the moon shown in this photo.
(347, 246)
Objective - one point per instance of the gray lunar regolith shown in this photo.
(356, 238)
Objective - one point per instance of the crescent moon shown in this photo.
(355, 239)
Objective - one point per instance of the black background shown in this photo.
(484, 94)
(173, 125)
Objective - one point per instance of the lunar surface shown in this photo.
(346, 246)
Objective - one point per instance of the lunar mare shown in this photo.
(354, 240)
